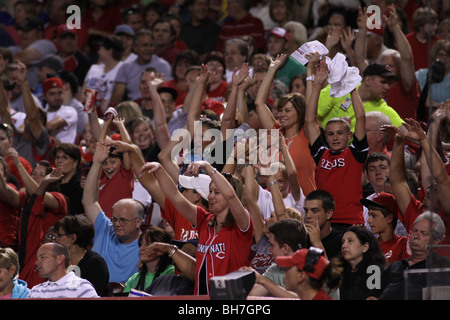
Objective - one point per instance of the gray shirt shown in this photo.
(130, 74)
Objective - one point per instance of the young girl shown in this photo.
(225, 233)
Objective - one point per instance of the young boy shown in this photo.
(383, 213)
(339, 166)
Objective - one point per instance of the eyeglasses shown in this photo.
(122, 221)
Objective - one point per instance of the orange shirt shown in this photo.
(298, 147)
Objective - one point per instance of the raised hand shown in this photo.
(156, 79)
(101, 152)
(391, 19)
(238, 77)
(362, 19)
(415, 131)
(347, 38)
(393, 131)
(321, 74)
(195, 167)
(278, 61)
(149, 167)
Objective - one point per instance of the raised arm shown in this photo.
(195, 109)
(397, 171)
(170, 190)
(312, 130)
(32, 186)
(251, 189)
(125, 136)
(407, 72)
(90, 193)
(8, 194)
(229, 115)
(147, 180)
(240, 215)
(33, 119)
(360, 115)
(167, 155)
(159, 116)
(265, 114)
(360, 47)
(434, 162)
(241, 102)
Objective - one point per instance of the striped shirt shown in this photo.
(69, 286)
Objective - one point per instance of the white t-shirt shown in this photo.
(96, 78)
(265, 202)
(67, 133)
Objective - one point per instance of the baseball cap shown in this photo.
(52, 61)
(382, 200)
(199, 183)
(169, 90)
(62, 30)
(31, 23)
(309, 260)
(378, 69)
(50, 83)
(124, 29)
(280, 33)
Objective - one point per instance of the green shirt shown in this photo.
(134, 279)
(290, 69)
(340, 107)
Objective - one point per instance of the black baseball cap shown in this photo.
(169, 90)
(382, 70)
(31, 23)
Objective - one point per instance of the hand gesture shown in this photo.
(415, 131)
(21, 72)
(347, 38)
(313, 61)
(321, 74)
(393, 131)
(391, 19)
(362, 19)
(149, 167)
(333, 38)
(313, 230)
(14, 155)
(442, 112)
(156, 79)
(195, 167)
(121, 146)
(205, 76)
(238, 78)
(101, 153)
(278, 62)
(53, 176)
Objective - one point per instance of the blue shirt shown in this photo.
(122, 259)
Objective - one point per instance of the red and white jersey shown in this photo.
(220, 253)
(340, 175)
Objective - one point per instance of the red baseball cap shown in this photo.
(309, 260)
(382, 200)
(50, 83)
(280, 33)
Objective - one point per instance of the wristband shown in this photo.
(271, 183)
(310, 78)
(213, 172)
(174, 250)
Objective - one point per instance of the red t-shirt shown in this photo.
(220, 93)
(12, 169)
(223, 252)
(40, 220)
(182, 228)
(8, 223)
(120, 186)
(420, 50)
(340, 175)
(405, 103)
